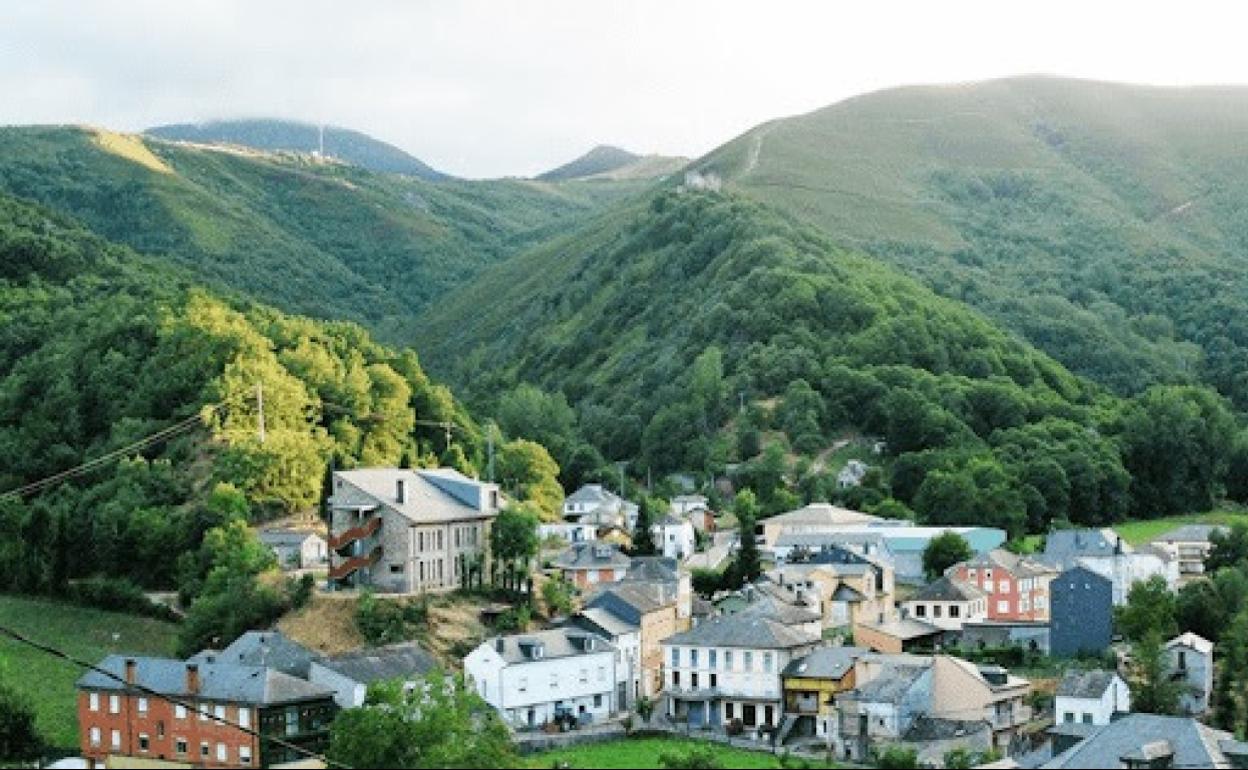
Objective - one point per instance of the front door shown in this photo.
(749, 716)
(767, 715)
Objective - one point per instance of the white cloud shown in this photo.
(492, 87)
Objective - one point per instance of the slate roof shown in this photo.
(741, 630)
(263, 648)
(1192, 743)
(602, 620)
(947, 589)
(925, 728)
(659, 569)
(1085, 684)
(1063, 547)
(591, 493)
(1191, 533)
(905, 628)
(1195, 641)
(222, 682)
(781, 611)
(891, 684)
(429, 495)
(591, 555)
(821, 513)
(825, 663)
(397, 661)
(285, 537)
(556, 643)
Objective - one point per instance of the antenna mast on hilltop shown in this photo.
(322, 139)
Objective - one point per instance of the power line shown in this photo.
(188, 705)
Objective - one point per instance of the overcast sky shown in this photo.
(496, 88)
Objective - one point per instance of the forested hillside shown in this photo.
(322, 239)
(340, 143)
(649, 329)
(1105, 223)
(101, 348)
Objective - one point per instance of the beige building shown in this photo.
(814, 519)
(407, 530)
(849, 588)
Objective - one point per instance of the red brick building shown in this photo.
(1017, 587)
(119, 719)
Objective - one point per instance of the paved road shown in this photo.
(713, 557)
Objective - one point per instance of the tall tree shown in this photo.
(441, 723)
(643, 532)
(527, 470)
(1154, 692)
(746, 565)
(944, 551)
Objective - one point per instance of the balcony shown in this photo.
(355, 563)
(359, 532)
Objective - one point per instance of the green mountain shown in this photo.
(1105, 223)
(291, 136)
(653, 321)
(101, 348)
(321, 239)
(605, 162)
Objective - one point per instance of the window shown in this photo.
(116, 740)
(597, 701)
(748, 659)
(1182, 660)
(1087, 718)
(95, 736)
(693, 658)
(218, 711)
(179, 711)
(204, 749)
(144, 742)
(93, 701)
(728, 711)
(693, 680)
(710, 659)
(244, 717)
(767, 662)
(970, 573)
(179, 746)
(292, 721)
(1003, 606)
(142, 705)
(114, 704)
(955, 611)
(1024, 604)
(675, 679)
(1003, 586)
(244, 755)
(920, 610)
(675, 656)
(202, 708)
(936, 610)
(727, 660)
(714, 680)
(223, 753)
(396, 569)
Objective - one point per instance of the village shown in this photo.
(845, 638)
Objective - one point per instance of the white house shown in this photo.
(568, 531)
(295, 549)
(947, 603)
(852, 474)
(597, 504)
(674, 537)
(1091, 698)
(1190, 659)
(683, 505)
(729, 668)
(533, 678)
(626, 638)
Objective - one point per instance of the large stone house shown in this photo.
(850, 587)
(206, 717)
(532, 679)
(407, 530)
(586, 565)
(728, 668)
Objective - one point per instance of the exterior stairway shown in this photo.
(347, 568)
(348, 536)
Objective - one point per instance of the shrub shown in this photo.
(389, 621)
(117, 595)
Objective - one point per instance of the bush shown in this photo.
(19, 740)
(117, 595)
(384, 621)
(514, 619)
(300, 590)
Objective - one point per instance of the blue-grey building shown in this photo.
(1081, 611)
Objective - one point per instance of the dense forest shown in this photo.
(323, 239)
(102, 349)
(1102, 222)
(702, 332)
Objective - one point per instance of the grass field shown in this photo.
(84, 633)
(644, 753)
(1140, 532)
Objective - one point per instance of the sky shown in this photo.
(509, 88)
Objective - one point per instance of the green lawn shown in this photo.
(1140, 532)
(644, 753)
(84, 633)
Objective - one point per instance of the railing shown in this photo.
(355, 533)
(340, 571)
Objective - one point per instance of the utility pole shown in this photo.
(741, 398)
(446, 428)
(260, 410)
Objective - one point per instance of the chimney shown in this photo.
(131, 671)
(192, 678)
(399, 493)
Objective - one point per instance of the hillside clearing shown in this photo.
(86, 634)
